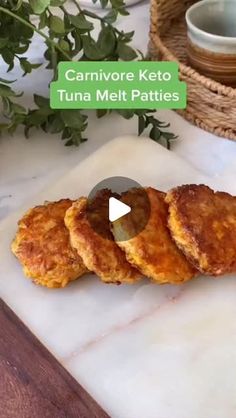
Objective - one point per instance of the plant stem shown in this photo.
(26, 23)
(77, 5)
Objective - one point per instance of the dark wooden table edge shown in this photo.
(33, 384)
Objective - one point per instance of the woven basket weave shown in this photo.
(211, 105)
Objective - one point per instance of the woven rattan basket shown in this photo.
(211, 105)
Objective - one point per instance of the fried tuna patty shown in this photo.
(42, 245)
(152, 251)
(203, 225)
(94, 242)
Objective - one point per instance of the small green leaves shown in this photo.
(125, 52)
(72, 118)
(38, 6)
(27, 66)
(81, 22)
(57, 25)
(156, 133)
(68, 36)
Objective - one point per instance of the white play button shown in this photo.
(117, 209)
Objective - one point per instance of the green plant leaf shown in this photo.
(106, 40)
(18, 5)
(17, 108)
(66, 133)
(155, 133)
(72, 118)
(168, 135)
(38, 6)
(101, 112)
(41, 101)
(64, 45)
(91, 49)
(6, 81)
(22, 49)
(43, 20)
(117, 4)
(6, 91)
(76, 138)
(27, 66)
(126, 113)
(125, 52)
(57, 3)
(80, 22)
(78, 41)
(69, 143)
(57, 25)
(103, 3)
(55, 124)
(6, 106)
(123, 11)
(3, 42)
(127, 37)
(111, 16)
(8, 57)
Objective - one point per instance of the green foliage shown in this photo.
(67, 37)
(39, 6)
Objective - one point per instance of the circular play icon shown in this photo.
(118, 207)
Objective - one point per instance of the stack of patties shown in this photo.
(190, 229)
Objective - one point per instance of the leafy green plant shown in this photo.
(67, 37)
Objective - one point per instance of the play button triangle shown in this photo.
(117, 209)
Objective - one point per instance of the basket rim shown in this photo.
(185, 69)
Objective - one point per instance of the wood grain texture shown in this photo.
(33, 384)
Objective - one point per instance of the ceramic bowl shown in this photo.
(211, 31)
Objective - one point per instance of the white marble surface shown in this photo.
(142, 350)
(165, 350)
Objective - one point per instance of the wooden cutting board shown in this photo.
(33, 384)
(111, 339)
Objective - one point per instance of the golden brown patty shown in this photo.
(153, 251)
(99, 252)
(42, 246)
(203, 224)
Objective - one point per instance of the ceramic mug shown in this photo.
(211, 46)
